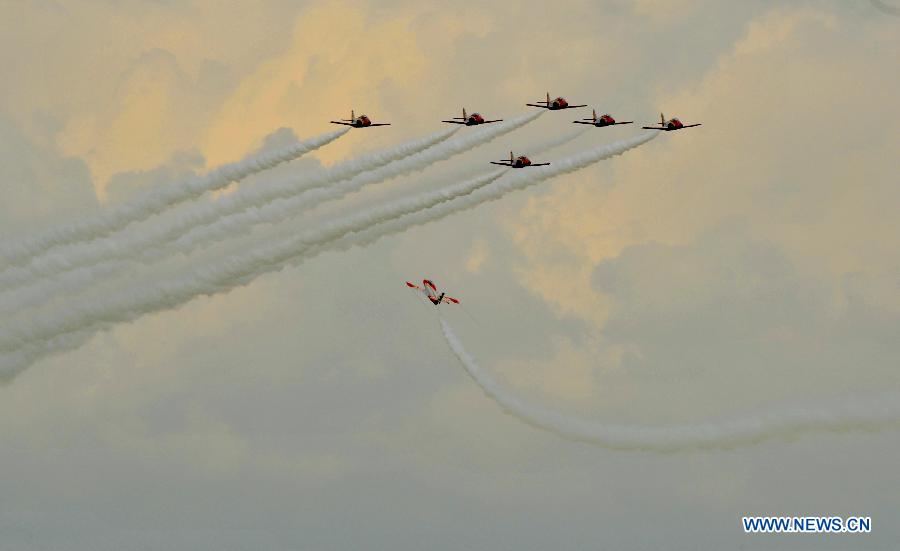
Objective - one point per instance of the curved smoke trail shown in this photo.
(181, 237)
(156, 200)
(868, 415)
(119, 246)
(25, 341)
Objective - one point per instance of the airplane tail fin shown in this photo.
(352, 115)
(548, 98)
(662, 119)
(512, 160)
(464, 113)
(594, 113)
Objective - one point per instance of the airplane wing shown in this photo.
(344, 123)
(574, 106)
(449, 300)
(501, 164)
(690, 125)
(495, 120)
(655, 128)
(539, 164)
(624, 122)
(380, 124)
(536, 105)
(455, 122)
(583, 122)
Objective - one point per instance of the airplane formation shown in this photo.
(429, 289)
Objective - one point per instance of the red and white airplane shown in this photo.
(517, 162)
(429, 289)
(555, 105)
(361, 121)
(472, 119)
(669, 125)
(603, 120)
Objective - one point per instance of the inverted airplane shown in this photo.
(429, 289)
(361, 121)
(602, 120)
(517, 162)
(472, 119)
(669, 125)
(555, 105)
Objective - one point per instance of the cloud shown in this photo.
(477, 256)
(338, 389)
(39, 184)
(770, 151)
(734, 311)
(340, 58)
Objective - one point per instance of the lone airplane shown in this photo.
(669, 125)
(361, 121)
(518, 162)
(473, 119)
(430, 291)
(603, 120)
(555, 105)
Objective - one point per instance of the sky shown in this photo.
(751, 264)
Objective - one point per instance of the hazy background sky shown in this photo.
(751, 262)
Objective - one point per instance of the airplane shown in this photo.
(471, 119)
(603, 120)
(430, 291)
(518, 162)
(361, 121)
(555, 105)
(669, 125)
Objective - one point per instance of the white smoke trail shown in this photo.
(40, 335)
(554, 142)
(28, 339)
(119, 246)
(522, 179)
(275, 211)
(536, 150)
(59, 285)
(868, 415)
(183, 240)
(157, 199)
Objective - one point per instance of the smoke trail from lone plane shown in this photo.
(119, 246)
(25, 341)
(868, 415)
(156, 200)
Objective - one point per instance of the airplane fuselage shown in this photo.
(669, 125)
(558, 103)
(553, 104)
(474, 119)
(361, 121)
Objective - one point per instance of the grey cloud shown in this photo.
(38, 185)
